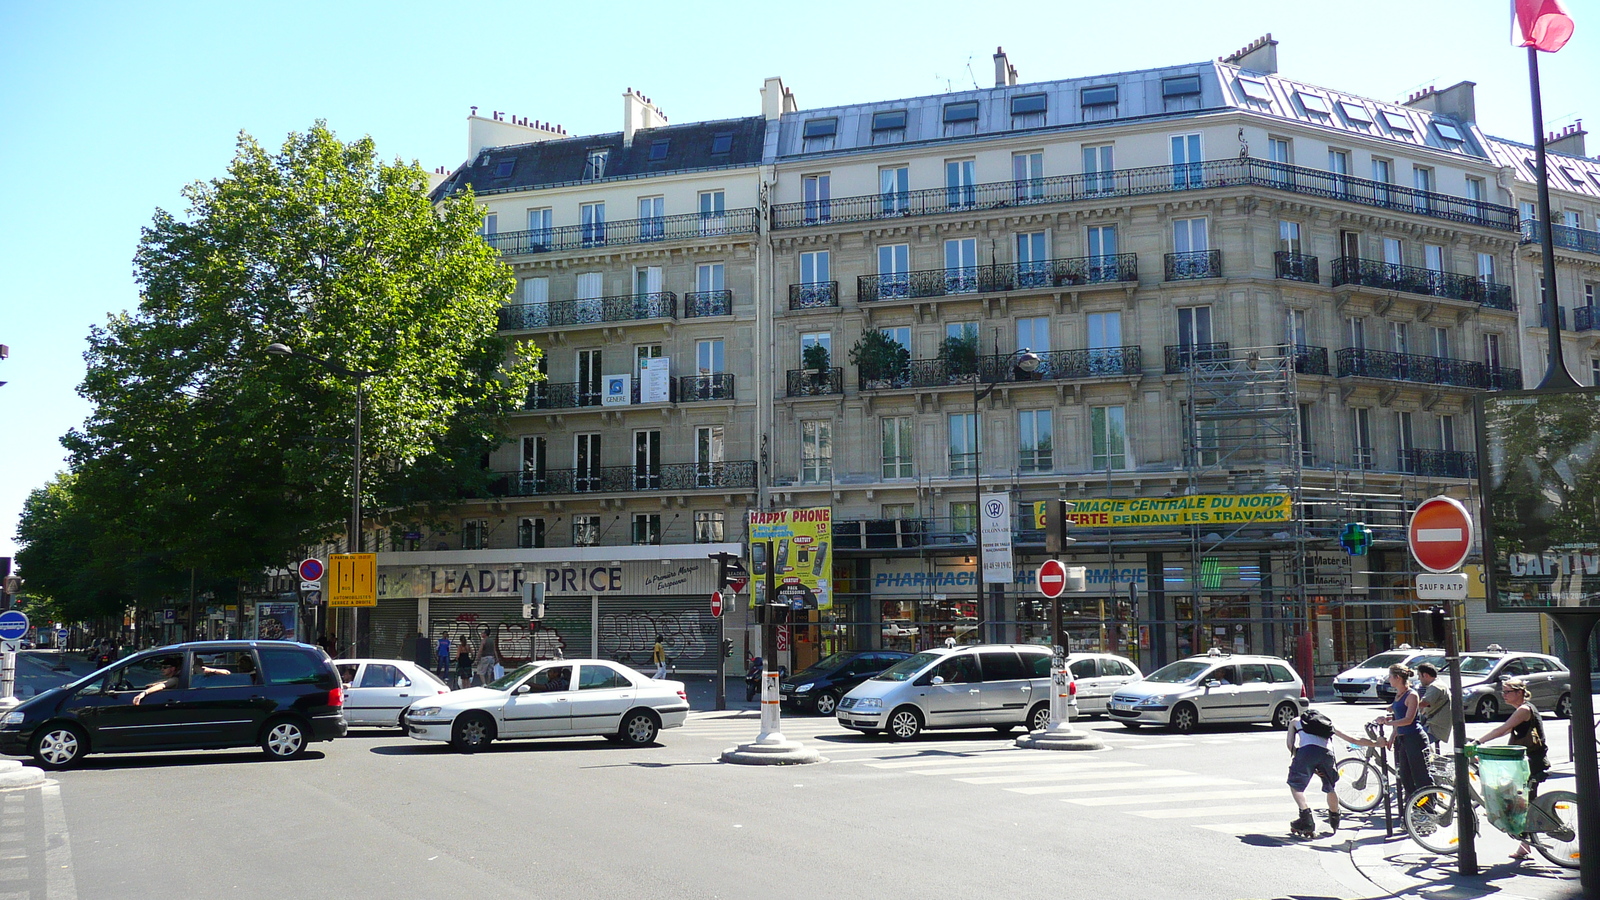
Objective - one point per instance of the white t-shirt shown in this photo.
(1306, 738)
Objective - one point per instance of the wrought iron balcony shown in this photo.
(1296, 266)
(814, 295)
(625, 231)
(693, 388)
(816, 383)
(1223, 173)
(1439, 463)
(1359, 363)
(1375, 273)
(1501, 379)
(1041, 274)
(625, 479)
(1309, 360)
(562, 313)
(1054, 365)
(577, 395)
(699, 304)
(1194, 264)
(1583, 319)
(1182, 357)
(1544, 316)
(1563, 236)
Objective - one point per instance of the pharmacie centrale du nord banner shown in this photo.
(802, 540)
(1156, 512)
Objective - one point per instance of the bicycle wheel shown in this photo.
(1430, 819)
(1557, 839)
(1360, 787)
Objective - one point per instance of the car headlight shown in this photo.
(13, 718)
(804, 687)
(1161, 700)
(425, 711)
(869, 703)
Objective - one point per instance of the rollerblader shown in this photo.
(1308, 738)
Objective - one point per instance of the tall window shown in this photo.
(651, 211)
(963, 444)
(960, 180)
(895, 432)
(964, 517)
(1108, 427)
(1027, 173)
(1186, 170)
(646, 528)
(1098, 168)
(586, 461)
(814, 267)
(1033, 333)
(534, 449)
(1033, 254)
(818, 197)
(1189, 236)
(1441, 342)
(1034, 441)
(900, 334)
(708, 455)
(1399, 337)
(1194, 327)
(536, 297)
(1278, 150)
(1383, 173)
(474, 534)
(1339, 165)
(1102, 244)
(647, 460)
(708, 277)
(1491, 351)
(961, 265)
(595, 164)
(816, 451)
(1356, 332)
(1307, 458)
(585, 531)
(1404, 443)
(709, 526)
(894, 268)
(713, 208)
(811, 339)
(1486, 267)
(1433, 257)
(1361, 436)
(530, 533)
(593, 218)
(1447, 434)
(1393, 252)
(540, 222)
(1475, 189)
(589, 377)
(491, 225)
(1105, 342)
(894, 189)
(646, 280)
(1296, 328)
(708, 357)
(1289, 237)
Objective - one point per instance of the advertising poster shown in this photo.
(802, 553)
(617, 390)
(277, 621)
(655, 380)
(995, 532)
(1160, 512)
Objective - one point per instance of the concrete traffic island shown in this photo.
(16, 775)
(1061, 736)
(772, 750)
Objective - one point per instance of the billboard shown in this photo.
(277, 621)
(1539, 469)
(802, 551)
(1165, 512)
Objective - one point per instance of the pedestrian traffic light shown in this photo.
(1056, 524)
(727, 648)
(533, 600)
(1356, 538)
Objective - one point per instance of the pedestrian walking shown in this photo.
(1435, 707)
(752, 680)
(486, 658)
(463, 668)
(1308, 739)
(1408, 734)
(659, 657)
(442, 654)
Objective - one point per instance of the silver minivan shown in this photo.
(998, 686)
(1217, 687)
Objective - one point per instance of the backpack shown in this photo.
(1316, 724)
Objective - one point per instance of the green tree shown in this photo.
(229, 459)
(879, 358)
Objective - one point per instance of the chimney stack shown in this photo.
(1005, 74)
(1261, 55)
(1456, 101)
(638, 113)
(1568, 140)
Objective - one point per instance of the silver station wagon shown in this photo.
(1216, 687)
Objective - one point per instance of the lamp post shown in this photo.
(353, 537)
(1022, 360)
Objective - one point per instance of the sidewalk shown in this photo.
(1401, 868)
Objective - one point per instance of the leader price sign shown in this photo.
(1440, 534)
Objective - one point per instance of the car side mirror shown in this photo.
(1213, 683)
(937, 680)
(524, 688)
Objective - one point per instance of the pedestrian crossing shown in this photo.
(1150, 788)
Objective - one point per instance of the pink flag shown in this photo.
(1540, 24)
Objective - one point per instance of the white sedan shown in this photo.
(553, 698)
(377, 691)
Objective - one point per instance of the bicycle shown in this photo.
(1365, 779)
(1430, 818)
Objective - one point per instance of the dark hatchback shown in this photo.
(819, 687)
(277, 695)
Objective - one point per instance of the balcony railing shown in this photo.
(1230, 173)
(1054, 365)
(1439, 463)
(814, 295)
(625, 479)
(577, 395)
(594, 311)
(1181, 357)
(1563, 236)
(1041, 274)
(692, 388)
(1358, 363)
(815, 383)
(625, 231)
(1194, 264)
(1309, 360)
(1296, 266)
(1583, 319)
(1544, 316)
(1375, 273)
(699, 304)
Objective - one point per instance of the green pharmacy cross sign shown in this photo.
(1356, 539)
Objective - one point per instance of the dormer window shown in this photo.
(821, 128)
(1356, 113)
(1396, 121)
(1316, 104)
(1448, 132)
(889, 120)
(1182, 86)
(1105, 95)
(966, 111)
(502, 169)
(595, 164)
(721, 142)
(1029, 104)
(1255, 89)
(658, 149)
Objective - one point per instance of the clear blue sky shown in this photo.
(108, 109)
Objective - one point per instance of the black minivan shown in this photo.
(277, 695)
(819, 687)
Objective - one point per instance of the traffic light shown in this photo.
(731, 575)
(1432, 626)
(1056, 524)
(533, 600)
(1356, 538)
(727, 648)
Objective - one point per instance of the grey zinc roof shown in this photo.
(550, 163)
(1576, 174)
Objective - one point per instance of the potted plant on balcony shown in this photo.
(959, 353)
(814, 358)
(880, 359)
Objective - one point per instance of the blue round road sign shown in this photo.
(13, 625)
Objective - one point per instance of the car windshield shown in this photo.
(827, 665)
(907, 668)
(1383, 661)
(1478, 665)
(505, 682)
(1179, 672)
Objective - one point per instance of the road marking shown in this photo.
(1059, 775)
(1276, 826)
(1206, 811)
(1010, 756)
(1013, 768)
(1174, 798)
(1186, 781)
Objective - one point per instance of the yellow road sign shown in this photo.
(353, 579)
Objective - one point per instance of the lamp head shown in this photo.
(277, 349)
(1028, 361)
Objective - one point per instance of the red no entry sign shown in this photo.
(716, 603)
(1052, 578)
(1440, 534)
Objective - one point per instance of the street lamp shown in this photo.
(353, 538)
(1026, 362)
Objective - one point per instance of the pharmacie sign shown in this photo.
(560, 579)
(911, 579)
(1160, 512)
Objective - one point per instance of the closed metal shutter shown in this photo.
(464, 621)
(629, 627)
(1513, 631)
(392, 629)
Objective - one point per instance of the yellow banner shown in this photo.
(802, 542)
(353, 579)
(1157, 512)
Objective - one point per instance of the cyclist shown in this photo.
(1435, 705)
(1527, 730)
(1408, 736)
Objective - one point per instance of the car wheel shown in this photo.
(826, 703)
(1283, 715)
(1488, 708)
(1039, 717)
(639, 728)
(904, 724)
(59, 747)
(1564, 707)
(472, 732)
(283, 739)
(1185, 718)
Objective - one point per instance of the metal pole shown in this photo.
(355, 501)
(1555, 373)
(1466, 823)
(1577, 629)
(722, 660)
(771, 727)
(977, 490)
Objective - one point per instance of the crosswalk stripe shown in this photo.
(1034, 768)
(1161, 746)
(1185, 781)
(1276, 826)
(1202, 812)
(1007, 757)
(1174, 798)
(1072, 774)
